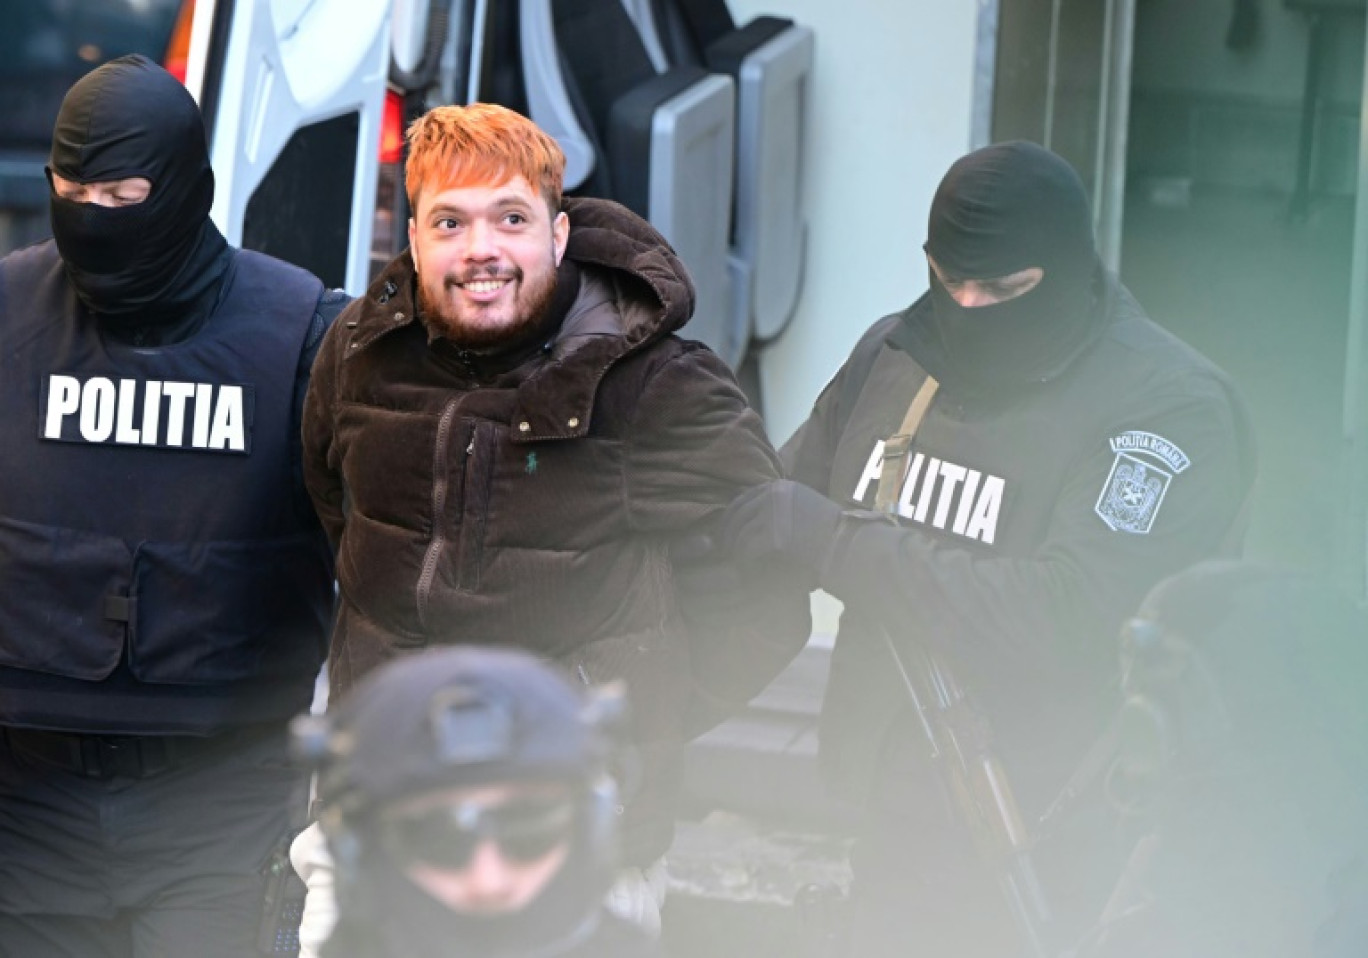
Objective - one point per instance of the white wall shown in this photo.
(892, 104)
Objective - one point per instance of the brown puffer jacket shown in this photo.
(535, 506)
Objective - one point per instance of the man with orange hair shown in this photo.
(504, 437)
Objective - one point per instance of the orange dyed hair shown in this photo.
(481, 144)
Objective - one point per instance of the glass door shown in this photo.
(1062, 79)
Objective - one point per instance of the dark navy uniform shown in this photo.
(1025, 531)
(1074, 454)
(167, 589)
(153, 542)
(165, 611)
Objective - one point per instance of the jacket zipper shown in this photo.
(439, 495)
(477, 479)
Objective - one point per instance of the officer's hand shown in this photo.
(702, 570)
(707, 579)
(781, 519)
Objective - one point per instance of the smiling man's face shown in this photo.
(486, 258)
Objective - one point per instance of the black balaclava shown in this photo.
(465, 717)
(146, 264)
(1000, 210)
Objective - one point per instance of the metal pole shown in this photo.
(201, 26)
(1104, 105)
(477, 52)
(1111, 186)
(1354, 546)
(1306, 143)
(985, 74)
(1052, 75)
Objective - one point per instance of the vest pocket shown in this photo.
(55, 587)
(217, 612)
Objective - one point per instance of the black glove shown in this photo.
(706, 578)
(781, 519)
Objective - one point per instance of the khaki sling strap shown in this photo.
(893, 469)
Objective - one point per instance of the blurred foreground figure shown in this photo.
(989, 485)
(165, 589)
(470, 811)
(1245, 759)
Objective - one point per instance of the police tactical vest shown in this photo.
(1089, 472)
(147, 515)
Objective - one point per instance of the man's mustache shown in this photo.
(475, 274)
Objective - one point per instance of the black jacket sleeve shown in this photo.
(322, 475)
(330, 305)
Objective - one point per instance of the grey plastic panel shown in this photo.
(771, 231)
(548, 103)
(692, 152)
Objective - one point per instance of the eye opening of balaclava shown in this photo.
(998, 211)
(145, 263)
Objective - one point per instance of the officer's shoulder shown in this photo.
(331, 304)
(868, 347)
(337, 310)
(275, 269)
(331, 301)
(883, 328)
(1134, 332)
(37, 255)
(24, 268)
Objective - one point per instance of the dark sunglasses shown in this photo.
(525, 829)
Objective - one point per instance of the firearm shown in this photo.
(283, 907)
(961, 752)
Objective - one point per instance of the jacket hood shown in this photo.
(633, 292)
(608, 235)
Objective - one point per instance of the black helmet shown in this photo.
(456, 717)
(459, 719)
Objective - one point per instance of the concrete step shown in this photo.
(759, 866)
(742, 888)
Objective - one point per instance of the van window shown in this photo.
(45, 47)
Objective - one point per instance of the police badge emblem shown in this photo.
(1136, 486)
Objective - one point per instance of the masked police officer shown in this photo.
(469, 809)
(989, 484)
(166, 588)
